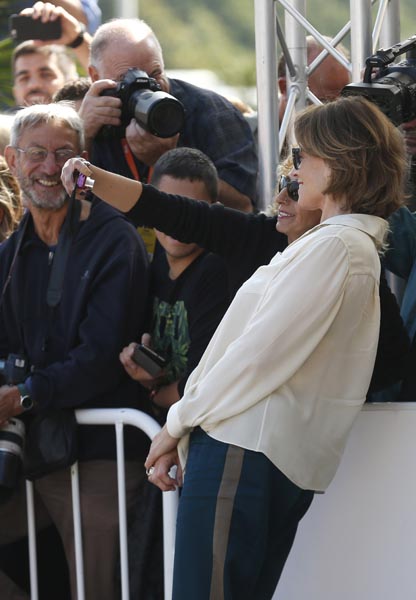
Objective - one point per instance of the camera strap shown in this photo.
(147, 233)
(58, 268)
(66, 235)
(56, 278)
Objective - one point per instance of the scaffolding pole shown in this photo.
(268, 119)
(386, 30)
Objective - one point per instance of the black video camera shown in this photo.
(143, 99)
(13, 369)
(392, 89)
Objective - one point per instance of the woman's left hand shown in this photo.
(163, 443)
(162, 474)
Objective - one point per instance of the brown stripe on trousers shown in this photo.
(223, 514)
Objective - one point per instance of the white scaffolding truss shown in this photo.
(369, 29)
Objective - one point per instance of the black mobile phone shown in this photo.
(23, 27)
(151, 362)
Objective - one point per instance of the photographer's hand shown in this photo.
(97, 110)
(9, 403)
(147, 147)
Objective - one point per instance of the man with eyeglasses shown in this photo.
(74, 285)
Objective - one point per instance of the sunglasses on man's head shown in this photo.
(291, 185)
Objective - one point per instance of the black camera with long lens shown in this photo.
(144, 100)
(391, 88)
(13, 370)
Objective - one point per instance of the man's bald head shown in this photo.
(120, 31)
(326, 81)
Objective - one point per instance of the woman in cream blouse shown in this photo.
(266, 414)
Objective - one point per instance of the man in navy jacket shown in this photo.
(72, 347)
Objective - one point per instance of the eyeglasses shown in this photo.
(296, 157)
(37, 154)
(291, 185)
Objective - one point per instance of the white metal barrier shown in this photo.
(118, 418)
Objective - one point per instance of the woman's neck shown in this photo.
(333, 208)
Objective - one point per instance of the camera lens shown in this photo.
(12, 436)
(166, 118)
(158, 112)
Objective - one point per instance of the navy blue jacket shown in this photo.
(75, 348)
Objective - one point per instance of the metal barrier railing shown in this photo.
(119, 418)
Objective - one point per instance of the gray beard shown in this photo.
(48, 204)
(37, 201)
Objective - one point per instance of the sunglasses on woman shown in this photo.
(291, 185)
(296, 157)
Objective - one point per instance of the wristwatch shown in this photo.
(79, 39)
(26, 401)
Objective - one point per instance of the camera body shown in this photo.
(13, 370)
(391, 88)
(143, 99)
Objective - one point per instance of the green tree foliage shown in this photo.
(214, 35)
(6, 49)
(219, 35)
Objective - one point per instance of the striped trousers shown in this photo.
(237, 520)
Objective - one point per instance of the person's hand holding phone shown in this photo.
(47, 20)
(24, 27)
(137, 372)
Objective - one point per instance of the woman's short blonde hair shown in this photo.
(365, 152)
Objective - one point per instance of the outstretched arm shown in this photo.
(245, 241)
(120, 192)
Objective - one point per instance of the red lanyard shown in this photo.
(128, 155)
(147, 233)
